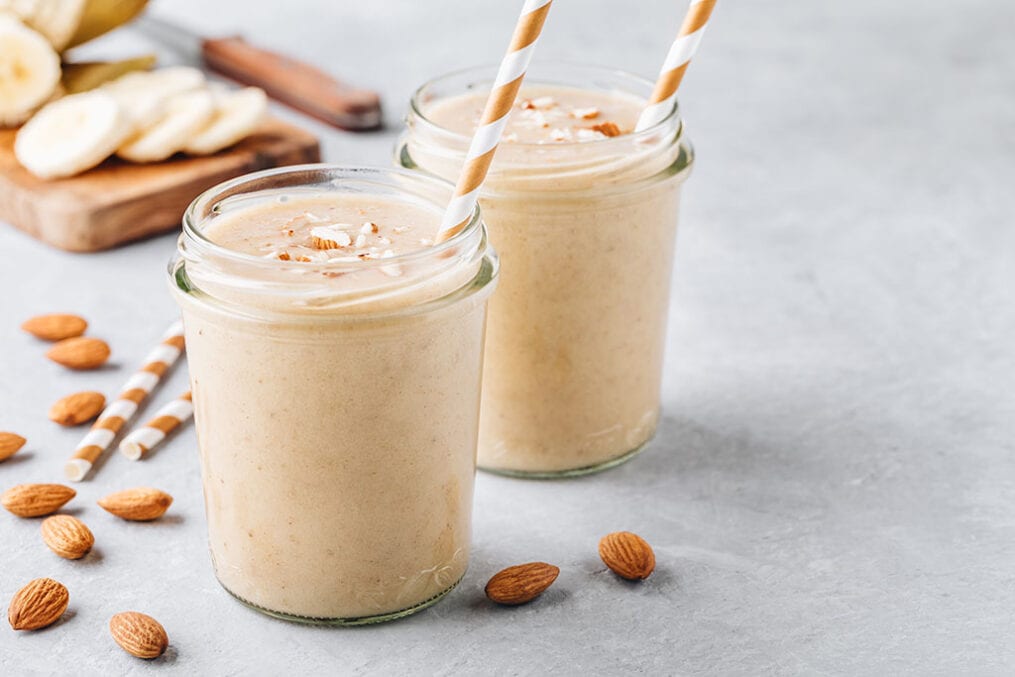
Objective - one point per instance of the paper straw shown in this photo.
(116, 415)
(498, 105)
(167, 419)
(691, 31)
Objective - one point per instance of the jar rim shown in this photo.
(195, 236)
(416, 108)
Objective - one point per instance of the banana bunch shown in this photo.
(75, 115)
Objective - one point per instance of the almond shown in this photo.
(628, 555)
(77, 408)
(82, 352)
(67, 536)
(521, 583)
(10, 444)
(137, 505)
(55, 327)
(38, 604)
(36, 500)
(139, 634)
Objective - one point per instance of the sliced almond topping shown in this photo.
(544, 102)
(559, 134)
(329, 237)
(369, 227)
(589, 113)
(607, 128)
(361, 240)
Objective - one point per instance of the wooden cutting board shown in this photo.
(118, 202)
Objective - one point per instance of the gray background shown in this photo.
(831, 490)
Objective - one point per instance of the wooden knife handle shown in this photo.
(293, 82)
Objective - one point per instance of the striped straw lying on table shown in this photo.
(134, 392)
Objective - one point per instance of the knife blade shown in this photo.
(290, 81)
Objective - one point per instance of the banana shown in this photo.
(71, 135)
(102, 16)
(186, 114)
(57, 20)
(85, 75)
(238, 114)
(143, 95)
(29, 71)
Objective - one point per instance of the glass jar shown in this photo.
(336, 408)
(585, 233)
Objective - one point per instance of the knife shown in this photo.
(300, 85)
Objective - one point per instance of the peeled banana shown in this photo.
(29, 71)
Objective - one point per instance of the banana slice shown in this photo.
(71, 135)
(29, 71)
(143, 95)
(238, 114)
(186, 114)
(57, 20)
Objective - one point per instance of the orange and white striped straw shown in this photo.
(498, 106)
(134, 392)
(167, 419)
(691, 31)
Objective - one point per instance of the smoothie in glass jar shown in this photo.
(335, 358)
(583, 212)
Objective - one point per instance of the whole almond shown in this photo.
(67, 536)
(139, 634)
(36, 500)
(77, 408)
(38, 604)
(55, 326)
(82, 352)
(628, 555)
(521, 583)
(10, 444)
(137, 505)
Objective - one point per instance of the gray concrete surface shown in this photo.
(832, 490)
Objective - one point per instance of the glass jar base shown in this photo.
(569, 472)
(346, 622)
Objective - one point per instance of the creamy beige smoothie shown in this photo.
(335, 359)
(583, 213)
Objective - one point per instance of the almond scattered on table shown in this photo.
(628, 555)
(140, 504)
(67, 536)
(38, 604)
(10, 444)
(139, 634)
(77, 408)
(36, 500)
(55, 326)
(80, 353)
(521, 583)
